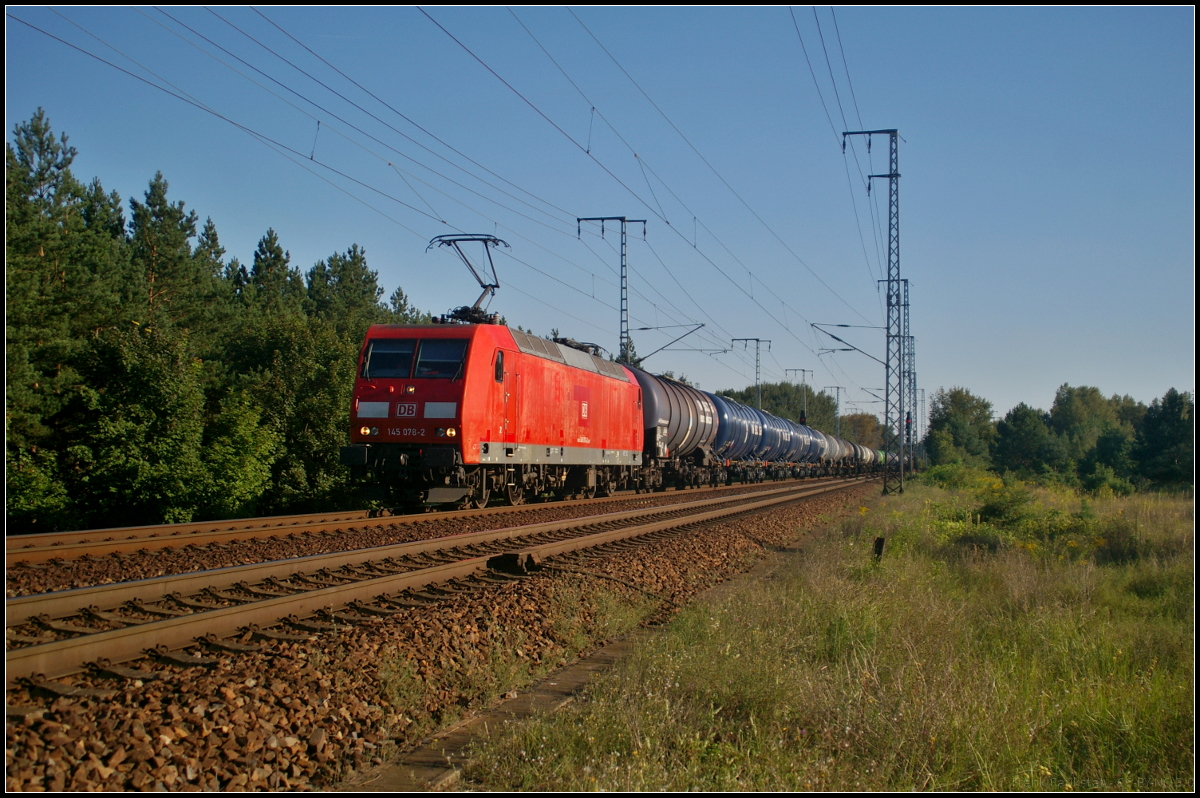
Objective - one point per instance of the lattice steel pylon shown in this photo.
(909, 377)
(625, 356)
(757, 363)
(893, 398)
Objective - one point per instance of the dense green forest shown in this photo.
(1087, 440)
(148, 377)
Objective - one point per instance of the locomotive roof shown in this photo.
(540, 347)
(526, 343)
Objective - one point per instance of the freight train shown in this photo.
(459, 413)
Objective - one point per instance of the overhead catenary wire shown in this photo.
(853, 145)
(713, 169)
(846, 67)
(275, 94)
(644, 167)
(874, 203)
(522, 262)
(535, 109)
(837, 138)
(292, 154)
(836, 95)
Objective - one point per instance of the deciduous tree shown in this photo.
(963, 426)
(1024, 442)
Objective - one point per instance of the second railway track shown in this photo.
(52, 546)
(56, 634)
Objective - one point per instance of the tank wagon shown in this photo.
(454, 414)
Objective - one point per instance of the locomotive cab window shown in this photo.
(388, 359)
(499, 366)
(441, 358)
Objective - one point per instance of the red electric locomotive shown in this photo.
(450, 413)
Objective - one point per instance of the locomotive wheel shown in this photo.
(588, 493)
(515, 494)
(480, 482)
(482, 494)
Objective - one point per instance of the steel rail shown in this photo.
(65, 603)
(103, 542)
(534, 555)
(171, 533)
(154, 531)
(65, 657)
(119, 645)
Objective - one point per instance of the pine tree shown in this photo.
(165, 279)
(209, 252)
(278, 289)
(403, 311)
(102, 212)
(1166, 444)
(63, 276)
(344, 291)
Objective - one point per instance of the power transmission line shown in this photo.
(371, 115)
(714, 170)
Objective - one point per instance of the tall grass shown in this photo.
(1009, 639)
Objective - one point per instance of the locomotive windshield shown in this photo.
(441, 358)
(388, 358)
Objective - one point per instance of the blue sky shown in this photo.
(1047, 197)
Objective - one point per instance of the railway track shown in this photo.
(58, 634)
(68, 546)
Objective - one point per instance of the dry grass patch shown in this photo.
(980, 654)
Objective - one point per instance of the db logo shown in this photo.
(406, 410)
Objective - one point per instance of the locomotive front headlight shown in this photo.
(364, 431)
(374, 431)
(451, 432)
(440, 432)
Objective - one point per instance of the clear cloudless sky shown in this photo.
(1048, 159)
